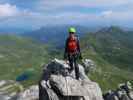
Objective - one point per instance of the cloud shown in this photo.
(14, 16)
(36, 13)
(107, 13)
(58, 4)
(8, 10)
(118, 15)
(99, 11)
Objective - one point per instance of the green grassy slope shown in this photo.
(19, 54)
(113, 65)
(106, 74)
(115, 46)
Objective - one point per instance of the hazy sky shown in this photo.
(37, 13)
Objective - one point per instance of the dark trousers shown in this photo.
(73, 64)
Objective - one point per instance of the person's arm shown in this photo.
(79, 51)
(78, 46)
(66, 51)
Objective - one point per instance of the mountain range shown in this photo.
(111, 48)
(55, 34)
(114, 45)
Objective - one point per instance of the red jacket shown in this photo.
(67, 52)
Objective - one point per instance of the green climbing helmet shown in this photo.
(72, 30)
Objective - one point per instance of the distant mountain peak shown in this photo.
(115, 28)
(111, 29)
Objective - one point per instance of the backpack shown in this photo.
(72, 45)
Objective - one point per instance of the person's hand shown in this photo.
(80, 57)
(66, 61)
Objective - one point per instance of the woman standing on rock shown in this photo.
(72, 51)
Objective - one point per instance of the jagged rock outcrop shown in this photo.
(9, 89)
(58, 83)
(32, 93)
(89, 65)
(123, 92)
